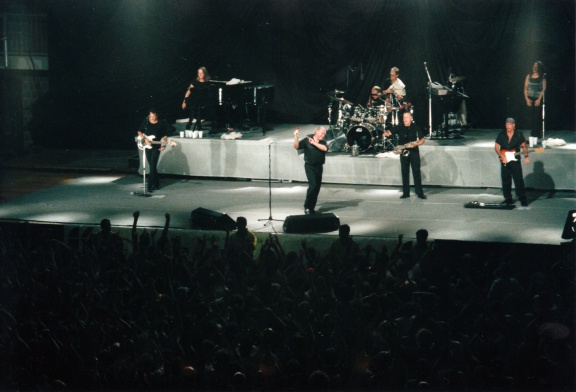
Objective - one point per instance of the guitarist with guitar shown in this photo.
(152, 125)
(508, 144)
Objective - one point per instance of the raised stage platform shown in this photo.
(362, 191)
(468, 161)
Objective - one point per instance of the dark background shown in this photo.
(110, 60)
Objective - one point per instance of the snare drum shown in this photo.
(361, 135)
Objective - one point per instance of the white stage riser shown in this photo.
(450, 166)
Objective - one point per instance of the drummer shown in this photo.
(376, 98)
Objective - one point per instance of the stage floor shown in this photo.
(104, 185)
(371, 211)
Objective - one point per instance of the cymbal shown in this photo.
(456, 79)
(341, 100)
(336, 92)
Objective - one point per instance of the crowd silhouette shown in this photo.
(112, 313)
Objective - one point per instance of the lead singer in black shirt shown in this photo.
(410, 136)
(315, 149)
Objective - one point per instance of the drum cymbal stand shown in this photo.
(330, 127)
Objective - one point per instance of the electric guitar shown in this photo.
(513, 155)
(141, 142)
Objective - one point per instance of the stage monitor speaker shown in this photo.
(212, 220)
(314, 223)
(570, 226)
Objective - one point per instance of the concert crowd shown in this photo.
(113, 313)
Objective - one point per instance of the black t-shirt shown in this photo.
(408, 134)
(515, 141)
(199, 94)
(159, 130)
(312, 155)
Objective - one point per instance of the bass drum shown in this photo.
(361, 135)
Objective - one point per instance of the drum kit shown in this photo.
(355, 125)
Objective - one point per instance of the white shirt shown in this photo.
(398, 87)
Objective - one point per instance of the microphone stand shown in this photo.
(429, 101)
(543, 115)
(143, 148)
(270, 219)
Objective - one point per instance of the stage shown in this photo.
(231, 177)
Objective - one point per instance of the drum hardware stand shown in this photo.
(388, 144)
(270, 219)
(339, 120)
(330, 127)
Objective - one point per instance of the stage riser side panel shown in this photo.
(441, 165)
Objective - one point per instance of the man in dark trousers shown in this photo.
(508, 144)
(410, 136)
(315, 149)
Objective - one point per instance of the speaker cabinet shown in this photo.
(315, 223)
(212, 220)
(569, 231)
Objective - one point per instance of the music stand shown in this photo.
(270, 219)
